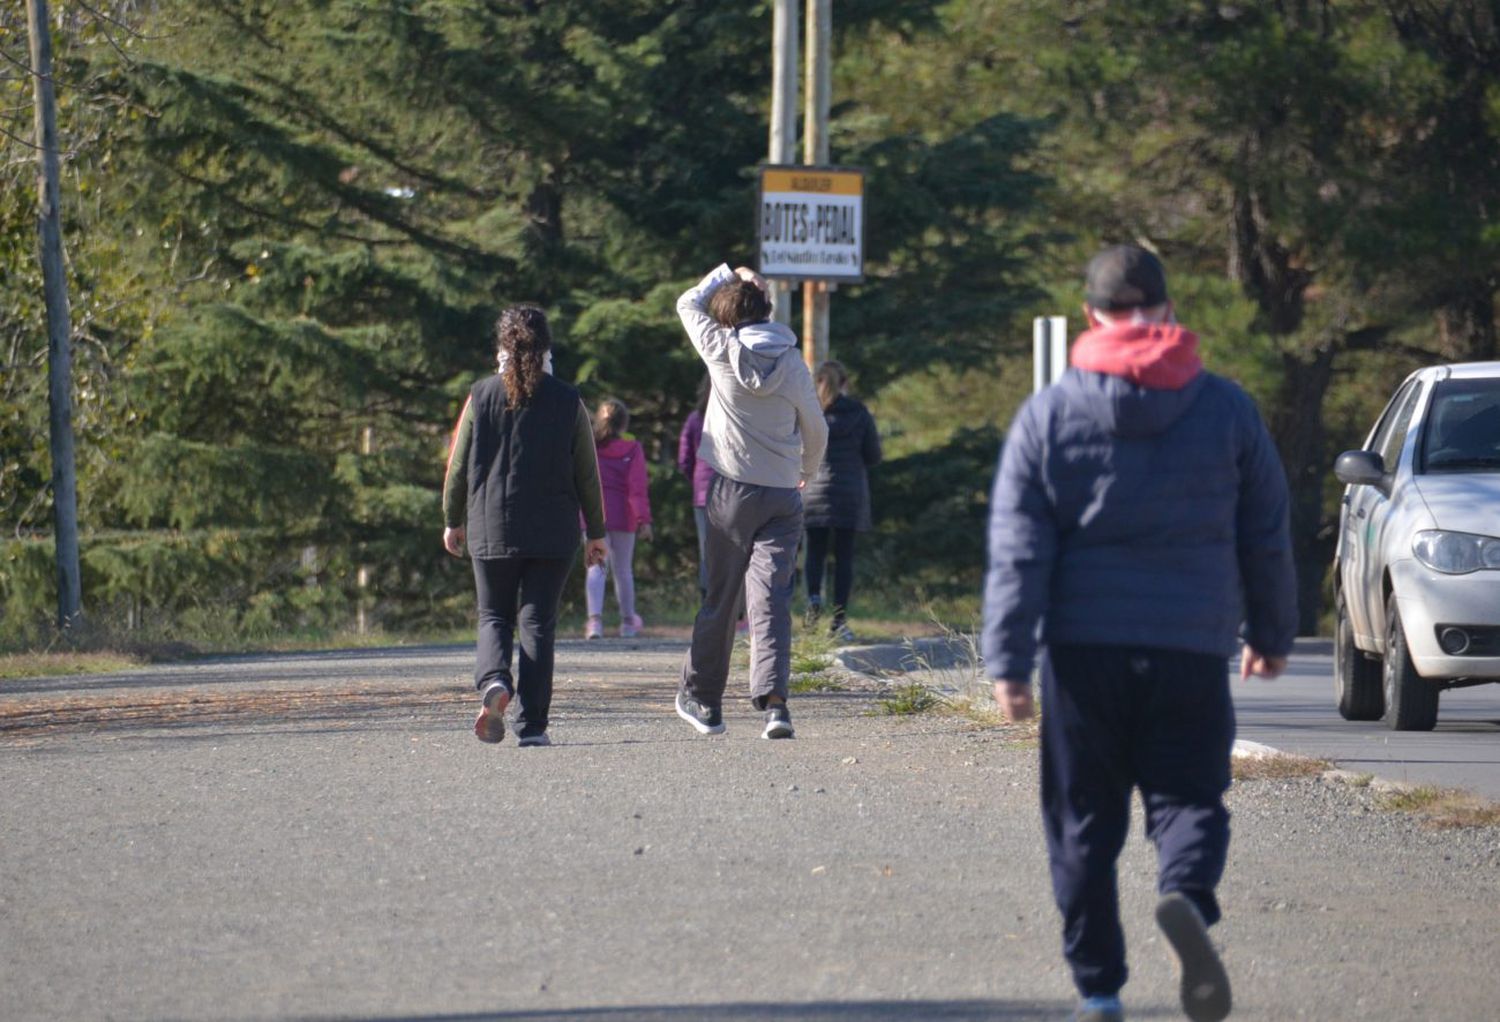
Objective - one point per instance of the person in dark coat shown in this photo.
(521, 470)
(836, 504)
(1138, 527)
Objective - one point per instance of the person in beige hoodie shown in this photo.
(764, 435)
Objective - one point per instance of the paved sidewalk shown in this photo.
(322, 837)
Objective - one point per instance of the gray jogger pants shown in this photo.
(751, 540)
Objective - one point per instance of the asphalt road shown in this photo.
(1296, 713)
(320, 836)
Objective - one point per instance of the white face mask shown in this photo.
(502, 358)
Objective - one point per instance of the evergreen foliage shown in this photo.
(292, 223)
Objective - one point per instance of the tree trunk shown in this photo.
(1466, 322)
(544, 244)
(544, 213)
(59, 326)
(1262, 266)
(1266, 270)
(1297, 425)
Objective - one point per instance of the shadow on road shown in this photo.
(818, 1011)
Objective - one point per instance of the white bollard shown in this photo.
(1049, 350)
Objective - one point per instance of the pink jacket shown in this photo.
(622, 474)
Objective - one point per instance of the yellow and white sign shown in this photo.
(812, 223)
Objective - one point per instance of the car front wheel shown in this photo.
(1411, 701)
(1356, 678)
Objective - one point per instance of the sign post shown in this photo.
(815, 153)
(1049, 350)
(783, 147)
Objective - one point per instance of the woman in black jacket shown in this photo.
(521, 470)
(836, 503)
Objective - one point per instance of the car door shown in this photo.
(1383, 508)
(1355, 552)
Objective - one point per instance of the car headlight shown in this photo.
(1456, 553)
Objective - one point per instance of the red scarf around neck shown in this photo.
(1162, 356)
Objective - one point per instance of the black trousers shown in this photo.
(524, 593)
(843, 565)
(1115, 719)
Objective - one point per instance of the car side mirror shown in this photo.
(1360, 468)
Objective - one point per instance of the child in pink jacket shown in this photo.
(627, 514)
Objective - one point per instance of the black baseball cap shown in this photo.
(1125, 277)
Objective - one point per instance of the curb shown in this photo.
(1244, 749)
(879, 662)
(957, 649)
(913, 655)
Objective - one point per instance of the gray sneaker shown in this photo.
(778, 722)
(1205, 984)
(709, 720)
(533, 741)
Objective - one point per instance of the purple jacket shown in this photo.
(695, 468)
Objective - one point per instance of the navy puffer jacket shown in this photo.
(1128, 515)
(838, 496)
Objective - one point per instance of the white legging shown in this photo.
(621, 556)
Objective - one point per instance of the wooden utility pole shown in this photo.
(815, 154)
(59, 324)
(783, 148)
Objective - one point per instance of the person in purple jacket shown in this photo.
(698, 471)
(1138, 526)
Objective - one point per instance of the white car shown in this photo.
(1417, 579)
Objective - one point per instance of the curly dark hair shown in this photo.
(523, 336)
(738, 302)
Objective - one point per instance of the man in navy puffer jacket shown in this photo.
(1138, 527)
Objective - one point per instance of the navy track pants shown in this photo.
(1115, 719)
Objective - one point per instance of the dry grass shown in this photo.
(1442, 808)
(1280, 767)
(907, 700)
(38, 665)
(816, 681)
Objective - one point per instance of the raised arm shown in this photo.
(708, 336)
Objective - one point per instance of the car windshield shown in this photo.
(1461, 431)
